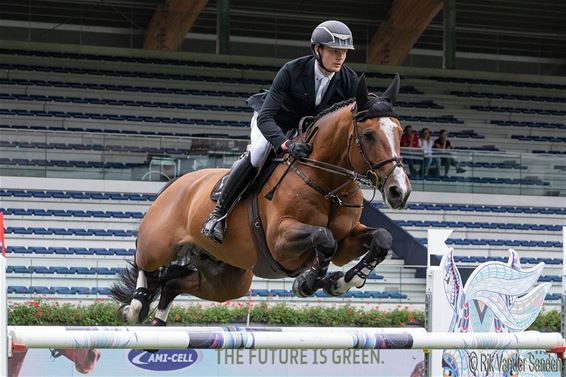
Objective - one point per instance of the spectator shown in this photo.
(426, 148)
(410, 139)
(445, 158)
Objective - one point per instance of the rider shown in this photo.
(302, 87)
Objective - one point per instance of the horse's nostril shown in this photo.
(395, 192)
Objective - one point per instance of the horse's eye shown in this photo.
(369, 136)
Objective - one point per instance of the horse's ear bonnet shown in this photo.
(392, 91)
(372, 106)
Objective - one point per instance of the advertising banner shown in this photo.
(238, 362)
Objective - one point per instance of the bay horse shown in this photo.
(309, 221)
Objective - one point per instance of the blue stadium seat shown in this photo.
(18, 250)
(379, 295)
(42, 270)
(553, 297)
(85, 271)
(81, 232)
(103, 271)
(62, 290)
(280, 292)
(18, 289)
(100, 232)
(497, 243)
(61, 231)
(61, 250)
(102, 251)
(123, 252)
(40, 290)
(81, 251)
(260, 292)
(397, 295)
(375, 276)
(18, 230)
(18, 269)
(100, 291)
(80, 290)
(361, 294)
(61, 270)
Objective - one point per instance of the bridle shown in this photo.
(370, 177)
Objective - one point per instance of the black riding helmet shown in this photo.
(332, 33)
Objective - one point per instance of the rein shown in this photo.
(369, 178)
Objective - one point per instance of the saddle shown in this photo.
(266, 266)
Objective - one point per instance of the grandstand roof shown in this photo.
(509, 27)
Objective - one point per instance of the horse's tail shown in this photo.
(123, 290)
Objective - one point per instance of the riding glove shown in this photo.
(298, 149)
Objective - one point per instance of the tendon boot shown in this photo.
(241, 174)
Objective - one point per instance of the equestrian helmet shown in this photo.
(333, 34)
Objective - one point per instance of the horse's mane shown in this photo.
(336, 106)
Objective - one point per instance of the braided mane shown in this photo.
(336, 106)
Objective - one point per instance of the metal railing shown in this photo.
(129, 157)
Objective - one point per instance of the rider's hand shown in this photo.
(297, 149)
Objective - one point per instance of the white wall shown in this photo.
(479, 199)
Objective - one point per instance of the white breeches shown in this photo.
(259, 144)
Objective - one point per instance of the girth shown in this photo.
(266, 266)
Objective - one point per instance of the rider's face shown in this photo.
(332, 58)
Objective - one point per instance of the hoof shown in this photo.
(158, 323)
(332, 283)
(130, 314)
(302, 288)
(137, 310)
(122, 312)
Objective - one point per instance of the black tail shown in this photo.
(123, 291)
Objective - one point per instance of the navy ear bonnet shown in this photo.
(374, 107)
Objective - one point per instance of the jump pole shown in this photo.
(355, 338)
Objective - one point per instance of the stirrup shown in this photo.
(214, 228)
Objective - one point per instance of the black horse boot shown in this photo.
(240, 175)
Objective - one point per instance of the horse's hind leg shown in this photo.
(140, 284)
(211, 280)
(375, 243)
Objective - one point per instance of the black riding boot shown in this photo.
(240, 175)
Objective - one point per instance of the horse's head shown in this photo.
(377, 134)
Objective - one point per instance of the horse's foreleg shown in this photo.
(374, 243)
(298, 238)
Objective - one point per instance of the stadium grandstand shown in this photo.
(103, 102)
